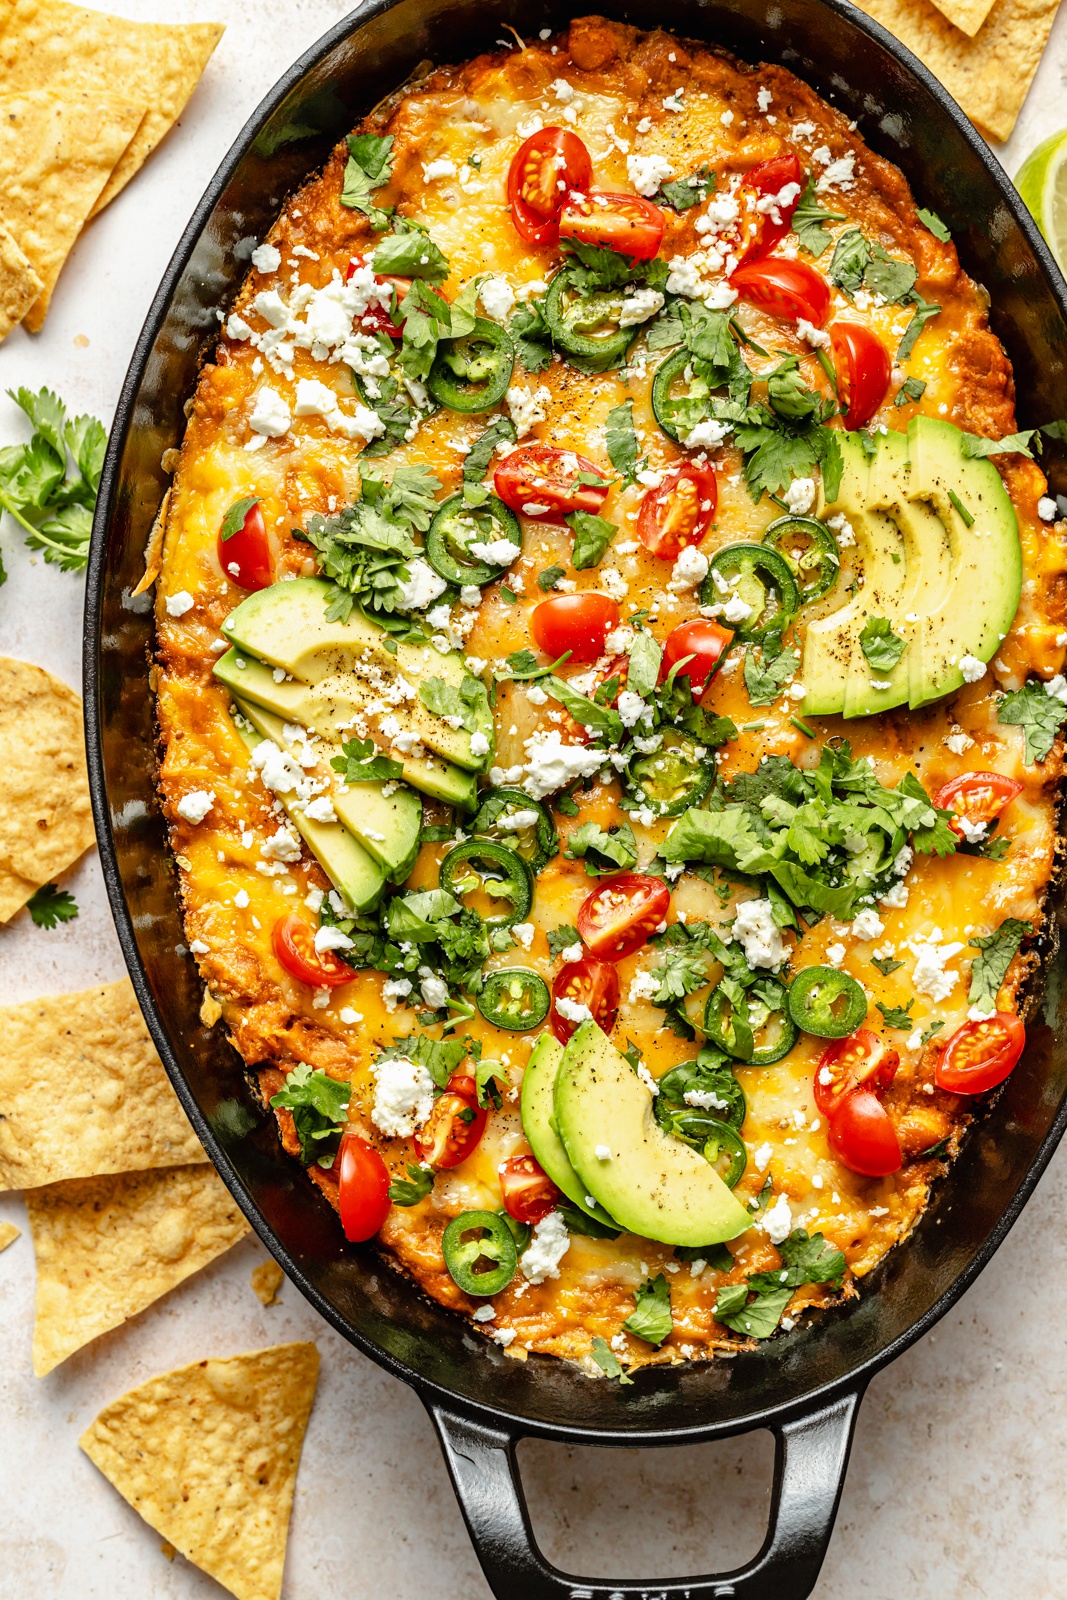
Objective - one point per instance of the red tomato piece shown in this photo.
(576, 622)
(863, 369)
(379, 319)
(862, 1136)
(544, 171)
(679, 512)
(529, 1193)
(245, 556)
(626, 223)
(977, 797)
(786, 288)
(769, 180)
(980, 1055)
(622, 914)
(539, 475)
(363, 1188)
(862, 1059)
(590, 983)
(705, 642)
(294, 945)
(454, 1126)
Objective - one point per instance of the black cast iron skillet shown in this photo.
(806, 1385)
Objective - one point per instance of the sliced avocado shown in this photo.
(341, 856)
(892, 593)
(251, 680)
(387, 826)
(538, 1123)
(347, 667)
(986, 559)
(652, 1184)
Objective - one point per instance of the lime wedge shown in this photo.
(1042, 183)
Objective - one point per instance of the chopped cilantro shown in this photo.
(910, 389)
(602, 721)
(615, 846)
(931, 220)
(362, 763)
(764, 678)
(1012, 444)
(651, 1318)
(882, 647)
(607, 1360)
(592, 536)
(409, 252)
(924, 310)
(409, 1191)
(365, 548)
(686, 192)
(533, 339)
(886, 965)
(54, 510)
(319, 1105)
(369, 167)
(997, 951)
(49, 906)
(550, 577)
(234, 520)
(621, 440)
(476, 462)
(896, 1016)
(1040, 716)
(560, 939)
(809, 218)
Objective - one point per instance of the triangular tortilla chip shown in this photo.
(45, 816)
(990, 74)
(208, 1456)
(967, 15)
(19, 285)
(47, 44)
(108, 1247)
(83, 1092)
(8, 1234)
(56, 153)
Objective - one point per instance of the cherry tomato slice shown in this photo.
(576, 622)
(678, 513)
(626, 223)
(862, 1136)
(771, 179)
(543, 172)
(294, 945)
(541, 476)
(590, 983)
(862, 1058)
(453, 1127)
(245, 556)
(378, 319)
(706, 642)
(622, 914)
(363, 1188)
(976, 797)
(980, 1055)
(786, 288)
(529, 1193)
(863, 369)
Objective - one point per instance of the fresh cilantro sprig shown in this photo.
(809, 220)
(415, 1187)
(365, 549)
(49, 486)
(882, 647)
(604, 850)
(49, 906)
(651, 1317)
(1039, 714)
(319, 1105)
(361, 763)
(996, 953)
(755, 1307)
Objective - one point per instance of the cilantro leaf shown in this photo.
(809, 219)
(476, 462)
(811, 1260)
(886, 965)
(607, 1360)
(49, 906)
(550, 577)
(892, 279)
(896, 1016)
(369, 167)
(615, 845)
(319, 1105)
(621, 440)
(850, 260)
(533, 339)
(931, 220)
(409, 1191)
(651, 1318)
(440, 1057)
(882, 647)
(365, 548)
(234, 520)
(910, 389)
(764, 679)
(997, 952)
(592, 536)
(602, 721)
(757, 1318)
(427, 320)
(924, 310)
(788, 394)
(1040, 716)
(560, 939)
(53, 508)
(467, 702)
(686, 192)
(646, 655)
(682, 973)
(362, 763)
(1012, 444)
(489, 1081)
(409, 252)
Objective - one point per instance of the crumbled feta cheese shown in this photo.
(394, 990)
(403, 1096)
(846, 534)
(350, 1016)
(563, 91)
(777, 1221)
(643, 985)
(957, 741)
(646, 173)
(330, 938)
(931, 956)
(638, 306)
(707, 435)
(546, 1249)
(523, 932)
(631, 708)
(527, 407)
(1047, 509)
(497, 297)
(497, 552)
(320, 809)
(284, 845)
(434, 992)
(602, 1152)
(818, 338)
(690, 570)
(613, 584)
(198, 947)
(835, 954)
(896, 898)
(571, 952)
(705, 1100)
(759, 935)
(973, 832)
(422, 588)
(484, 1313)
(971, 668)
(800, 496)
(1057, 688)
(840, 174)
(902, 861)
(179, 603)
(867, 925)
(551, 764)
(270, 415)
(313, 399)
(266, 258)
(442, 167)
(764, 98)
(479, 743)
(194, 806)
(573, 1010)
(647, 1079)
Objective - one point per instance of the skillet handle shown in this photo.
(811, 1455)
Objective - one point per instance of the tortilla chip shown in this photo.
(47, 44)
(56, 153)
(990, 74)
(267, 1279)
(153, 550)
(45, 817)
(208, 1455)
(108, 1247)
(8, 1234)
(967, 15)
(83, 1092)
(19, 284)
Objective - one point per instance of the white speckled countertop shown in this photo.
(954, 1491)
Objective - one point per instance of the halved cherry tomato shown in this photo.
(363, 1188)
(863, 369)
(573, 732)
(768, 179)
(541, 475)
(453, 1127)
(543, 172)
(576, 622)
(622, 914)
(863, 1058)
(245, 556)
(862, 1136)
(626, 223)
(980, 1055)
(679, 512)
(294, 945)
(377, 319)
(529, 1193)
(589, 983)
(706, 642)
(786, 288)
(977, 797)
